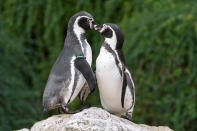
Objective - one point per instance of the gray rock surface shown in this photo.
(92, 119)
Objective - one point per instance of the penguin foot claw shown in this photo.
(127, 116)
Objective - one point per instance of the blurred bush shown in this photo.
(160, 50)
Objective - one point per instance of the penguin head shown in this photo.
(112, 34)
(82, 21)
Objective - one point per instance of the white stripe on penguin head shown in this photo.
(113, 40)
(79, 30)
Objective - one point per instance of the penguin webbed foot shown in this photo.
(127, 116)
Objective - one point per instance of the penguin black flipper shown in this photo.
(124, 80)
(130, 84)
(85, 69)
(127, 81)
(124, 85)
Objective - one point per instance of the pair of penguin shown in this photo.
(72, 76)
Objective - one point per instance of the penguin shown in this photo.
(114, 80)
(72, 69)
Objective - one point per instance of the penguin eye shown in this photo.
(90, 19)
(104, 25)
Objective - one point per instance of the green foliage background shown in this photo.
(160, 50)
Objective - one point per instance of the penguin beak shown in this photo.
(97, 27)
(91, 23)
(100, 28)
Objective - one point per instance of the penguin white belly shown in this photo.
(109, 82)
(81, 80)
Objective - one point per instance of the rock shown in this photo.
(92, 119)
